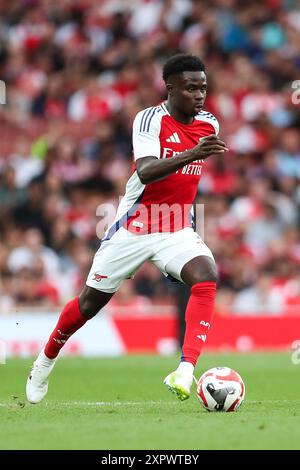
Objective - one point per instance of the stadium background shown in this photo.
(76, 73)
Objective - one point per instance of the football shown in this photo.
(221, 389)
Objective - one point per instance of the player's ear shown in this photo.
(169, 87)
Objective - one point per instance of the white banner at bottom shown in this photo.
(24, 335)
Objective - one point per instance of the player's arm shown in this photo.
(146, 147)
(151, 168)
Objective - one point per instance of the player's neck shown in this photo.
(177, 115)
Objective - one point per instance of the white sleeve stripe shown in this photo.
(209, 118)
(145, 119)
(148, 121)
(147, 111)
(207, 115)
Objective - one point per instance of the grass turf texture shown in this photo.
(121, 403)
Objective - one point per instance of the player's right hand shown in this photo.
(210, 145)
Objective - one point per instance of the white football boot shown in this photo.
(180, 381)
(37, 383)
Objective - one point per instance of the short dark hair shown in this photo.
(182, 63)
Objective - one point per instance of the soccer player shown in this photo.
(170, 142)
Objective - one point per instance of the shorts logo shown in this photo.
(97, 277)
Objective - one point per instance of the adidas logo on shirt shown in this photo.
(174, 138)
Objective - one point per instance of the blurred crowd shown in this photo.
(76, 74)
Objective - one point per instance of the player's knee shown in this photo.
(206, 272)
(201, 269)
(197, 278)
(91, 301)
(88, 307)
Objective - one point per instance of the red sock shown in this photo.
(70, 320)
(198, 316)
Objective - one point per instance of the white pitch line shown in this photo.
(158, 402)
(137, 403)
(272, 401)
(111, 403)
(99, 403)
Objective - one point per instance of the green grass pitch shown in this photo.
(121, 403)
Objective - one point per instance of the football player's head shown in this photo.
(185, 79)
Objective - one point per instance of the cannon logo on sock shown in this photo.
(205, 323)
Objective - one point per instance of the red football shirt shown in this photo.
(165, 205)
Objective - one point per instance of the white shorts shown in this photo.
(120, 257)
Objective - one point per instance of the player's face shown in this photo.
(188, 92)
